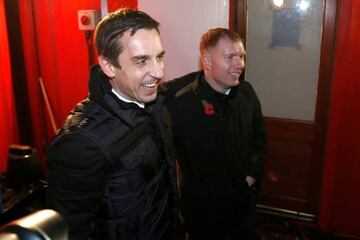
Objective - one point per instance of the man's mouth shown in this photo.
(235, 74)
(150, 84)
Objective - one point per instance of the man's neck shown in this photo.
(216, 87)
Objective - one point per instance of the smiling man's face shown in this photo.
(224, 63)
(141, 66)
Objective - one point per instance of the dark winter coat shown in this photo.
(103, 195)
(219, 140)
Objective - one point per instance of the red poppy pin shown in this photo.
(208, 108)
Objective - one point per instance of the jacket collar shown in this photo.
(100, 92)
(201, 83)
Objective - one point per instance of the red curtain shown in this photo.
(340, 208)
(115, 4)
(48, 28)
(56, 52)
(8, 127)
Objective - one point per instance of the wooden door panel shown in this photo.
(286, 179)
(291, 183)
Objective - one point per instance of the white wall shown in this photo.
(182, 22)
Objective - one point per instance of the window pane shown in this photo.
(283, 55)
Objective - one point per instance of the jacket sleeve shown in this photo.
(76, 168)
(258, 138)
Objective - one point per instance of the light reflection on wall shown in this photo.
(302, 5)
(278, 3)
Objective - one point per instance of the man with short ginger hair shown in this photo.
(219, 139)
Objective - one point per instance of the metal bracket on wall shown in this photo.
(103, 8)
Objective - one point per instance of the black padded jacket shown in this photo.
(130, 195)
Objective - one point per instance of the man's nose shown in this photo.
(157, 70)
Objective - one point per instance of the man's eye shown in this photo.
(140, 62)
(160, 58)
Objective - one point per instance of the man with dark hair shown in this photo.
(219, 139)
(112, 165)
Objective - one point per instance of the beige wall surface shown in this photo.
(181, 25)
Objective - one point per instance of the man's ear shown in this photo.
(106, 66)
(206, 61)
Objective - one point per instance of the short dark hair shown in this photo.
(212, 37)
(114, 25)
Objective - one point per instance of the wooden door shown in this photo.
(296, 129)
